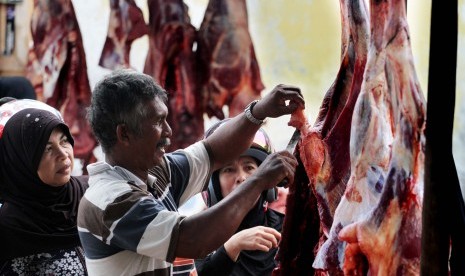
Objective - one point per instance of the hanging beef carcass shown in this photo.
(377, 224)
(324, 147)
(300, 232)
(228, 67)
(126, 24)
(171, 62)
(58, 71)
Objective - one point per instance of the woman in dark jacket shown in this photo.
(252, 249)
(38, 233)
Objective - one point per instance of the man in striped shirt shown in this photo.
(128, 221)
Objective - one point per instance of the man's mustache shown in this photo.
(164, 142)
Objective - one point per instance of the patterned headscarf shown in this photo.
(35, 217)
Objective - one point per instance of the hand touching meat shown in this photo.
(276, 167)
(277, 99)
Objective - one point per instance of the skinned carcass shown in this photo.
(300, 233)
(377, 225)
(324, 147)
(228, 69)
(171, 62)
(126, 24)
(387, 154)
(58, 71)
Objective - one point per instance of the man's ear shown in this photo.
(122, 134)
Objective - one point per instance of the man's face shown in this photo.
(150, 146)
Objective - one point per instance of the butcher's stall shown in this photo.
(381, 149)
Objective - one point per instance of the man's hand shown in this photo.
(282, 100)
(256, 238)
(276, 167)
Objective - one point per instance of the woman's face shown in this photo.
(234, 173)
(57, 160)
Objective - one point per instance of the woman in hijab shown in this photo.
(38, 233)
(251, 250)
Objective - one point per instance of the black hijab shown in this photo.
(35, 217)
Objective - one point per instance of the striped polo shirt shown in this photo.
(128, 227)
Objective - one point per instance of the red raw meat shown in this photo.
(364, 156)
(324, 147)
(58, 71)
(228, 67)
(377, 225)
(300, 231)
(171, 62)
(125, 25)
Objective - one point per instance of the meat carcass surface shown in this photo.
(126, 24)
(300, 231)
(324, 147)
(57, 69)
(228, 67)
(171, 62)
(377, 224)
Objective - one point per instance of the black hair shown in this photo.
(119, 98)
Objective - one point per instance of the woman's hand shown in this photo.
(256, 238)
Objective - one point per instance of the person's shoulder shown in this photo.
(161, 172)
(190, 154)
(102, 172)
(97, 167)
(104, 178)
(81, 180)
(197, 151)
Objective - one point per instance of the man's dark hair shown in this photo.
(119, 98)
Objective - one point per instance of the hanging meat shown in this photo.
(58, 71)
(228, 68)
(125, 25)
(300, 233)
(376, 226)
(171, 62)
(324, 147)
(380, 213)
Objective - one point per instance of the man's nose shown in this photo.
(168, 130)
